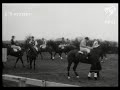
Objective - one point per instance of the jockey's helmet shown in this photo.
(87, 38)
(13, 36)
(32, 37)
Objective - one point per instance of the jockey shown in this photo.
(13, 44)
(68, 41)
(44, 43)
(62, 44)
(63, 40)
(84, 47)
(33, 43)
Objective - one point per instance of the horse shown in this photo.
(59, 48)
(55, 48)
(31, 53)
(17, 54)
(65, 49)
(47, 48)
(93, 60)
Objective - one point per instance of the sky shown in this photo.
(56, 20)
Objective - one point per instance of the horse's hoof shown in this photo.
(68, 77)
(89, 78)
(53, 58)
(77, 77)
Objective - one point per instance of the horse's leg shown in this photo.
(16, 62)
(51, 55)
(27, 59)
(34, 64)
(105, 56)
(60, 54)
(54, 55)
(68, 69)
(74, 69)
(66, 54)
(22, 61)
(30, 63)
(41, 55)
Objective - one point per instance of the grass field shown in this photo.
(55, 70)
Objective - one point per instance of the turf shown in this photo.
(55, 70)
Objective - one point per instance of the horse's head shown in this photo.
(39, 42)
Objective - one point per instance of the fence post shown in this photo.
(22, 82)
(4, 54)
(43, 83)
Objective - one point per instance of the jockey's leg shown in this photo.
(81, 50)
(88, 52)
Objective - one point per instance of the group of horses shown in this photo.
(53, 47)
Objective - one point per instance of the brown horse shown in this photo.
(17, 54)
(93, 59)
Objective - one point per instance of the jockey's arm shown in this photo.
(36, 43)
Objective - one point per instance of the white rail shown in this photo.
(23, 81)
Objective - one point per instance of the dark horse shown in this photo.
(55, 48)
(31, 53)
(17, 54)
(48, 48)
(93, 59)
(64, 49)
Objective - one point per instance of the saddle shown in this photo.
(84, 53)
